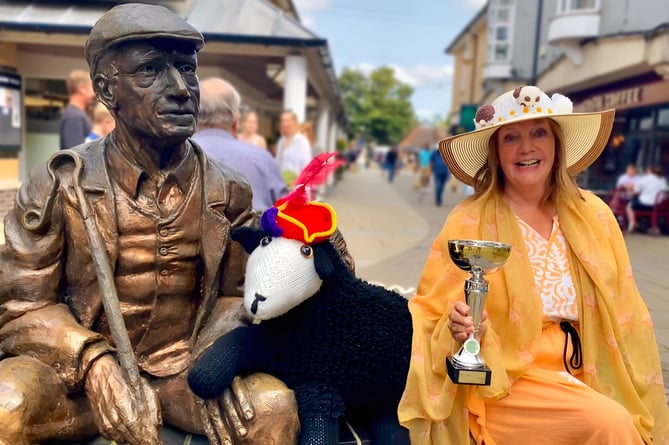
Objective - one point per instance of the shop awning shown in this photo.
(247, 21)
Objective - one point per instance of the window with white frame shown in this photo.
(567, 6)
(500, 26)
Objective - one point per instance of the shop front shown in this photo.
(640, 134)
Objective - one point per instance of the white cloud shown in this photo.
(423, 75)
(307, 8)
(471, 4)
(417, 76)
(425, 114)
(364, 67)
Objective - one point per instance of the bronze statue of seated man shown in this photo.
(118, 266)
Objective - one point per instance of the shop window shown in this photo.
(503, 15)
(646, 123)
(567, 6)
(500, 22)
(501, 53)
(44, 100)
(663, 117)
(10, 111)
(663, 146)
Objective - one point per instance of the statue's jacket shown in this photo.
(50, 299)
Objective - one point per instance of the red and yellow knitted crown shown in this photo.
(294, 216)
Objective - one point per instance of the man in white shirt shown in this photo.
(629, 179)
(293, 149)
(645, 192)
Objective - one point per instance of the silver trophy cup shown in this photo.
(479, 258)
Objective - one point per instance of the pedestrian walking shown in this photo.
(422, 181)
(440, 173)
(75, 124)
(390, 163)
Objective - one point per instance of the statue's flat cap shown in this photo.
(138, 21)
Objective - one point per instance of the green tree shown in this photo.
(378, 105)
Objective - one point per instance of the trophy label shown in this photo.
(463, 376)
(473, 377)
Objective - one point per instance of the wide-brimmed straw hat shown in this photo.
(584, 135)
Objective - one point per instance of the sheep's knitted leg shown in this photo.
(386, 430)
(320, 406)
(319, 430)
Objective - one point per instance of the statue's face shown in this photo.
(156, 92)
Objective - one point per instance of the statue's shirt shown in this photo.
(158, 266)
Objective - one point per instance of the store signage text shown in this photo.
(615, 99)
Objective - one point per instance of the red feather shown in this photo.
(315, 173)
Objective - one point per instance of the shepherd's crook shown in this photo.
(34, 221)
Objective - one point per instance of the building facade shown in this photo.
(469, 50)
(602, 57)
(493, 53)
(613, 57)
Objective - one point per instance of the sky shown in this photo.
(410, 36)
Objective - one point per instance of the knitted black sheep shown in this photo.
(342, 344)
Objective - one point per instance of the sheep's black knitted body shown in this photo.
(345, 350)
(352, 336)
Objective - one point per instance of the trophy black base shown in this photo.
(468, 376)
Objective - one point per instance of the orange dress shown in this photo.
(548, 404)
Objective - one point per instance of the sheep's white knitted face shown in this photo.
(280, 274)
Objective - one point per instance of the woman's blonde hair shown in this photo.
(489, 180)
(248, 114)
(101, 113)
(307, 129)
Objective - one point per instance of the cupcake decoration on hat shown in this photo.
(524, 101)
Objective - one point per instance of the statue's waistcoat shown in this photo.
(156, 278)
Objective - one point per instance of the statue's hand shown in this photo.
(228, 417)
(117, 413)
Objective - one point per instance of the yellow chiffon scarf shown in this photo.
(620, 355)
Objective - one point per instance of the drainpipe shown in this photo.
(537, 42)
(475, 37)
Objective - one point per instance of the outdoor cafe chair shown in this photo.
(658, 213)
